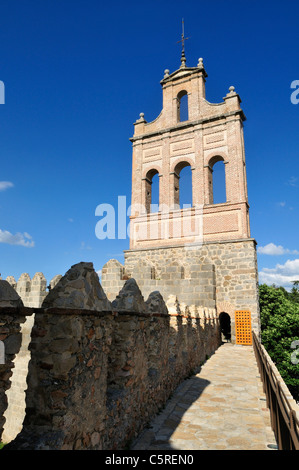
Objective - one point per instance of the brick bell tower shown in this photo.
(204, 254)
(211, 133)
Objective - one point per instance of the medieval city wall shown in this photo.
(32, 292)
(10, 340)
(100, 370)
(220, 275)
(161, 270)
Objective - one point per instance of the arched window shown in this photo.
(217, 187)
(183, 185)
(182, 100)
(155, 193)
(152, 191)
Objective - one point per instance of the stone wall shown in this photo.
(221, 275)
(100, 370)
(32, 292)
(10, 337)
(193, 283)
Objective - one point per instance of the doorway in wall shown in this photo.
(225, 326)
(243, 327)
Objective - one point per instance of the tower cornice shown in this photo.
(191, 124)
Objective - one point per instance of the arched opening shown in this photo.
(217, 186)
(152, 191)
(155, 193)
(186, 187)
(183, 185)
(225, 326)
(182, 100)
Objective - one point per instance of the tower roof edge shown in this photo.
(183, 72)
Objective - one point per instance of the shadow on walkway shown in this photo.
(158, 434)
(220, 408)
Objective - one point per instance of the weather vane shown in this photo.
(183, 58)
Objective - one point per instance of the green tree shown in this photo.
(294, 295)
(279, 329)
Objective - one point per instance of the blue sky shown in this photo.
(78, 73)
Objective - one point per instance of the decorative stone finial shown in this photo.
(130, 298)
(231, 89)
(8, 296)
(166, 73)
(200, 62)
(79, 288)
(155, 303)
(141, 115)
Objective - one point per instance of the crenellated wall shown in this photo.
(10, 337)
(192, 281)
(213, 275)
(100, 370)
(32, 292)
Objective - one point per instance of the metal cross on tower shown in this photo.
(183, 58)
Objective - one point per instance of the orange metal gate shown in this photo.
(243, 327)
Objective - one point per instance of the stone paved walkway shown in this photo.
(223, 407)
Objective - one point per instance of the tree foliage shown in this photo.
(280, 329)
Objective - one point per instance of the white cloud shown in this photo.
(272, 249)
(281, 275)
(23, 239)
(5, 185)
(85, 247)
(293, 181)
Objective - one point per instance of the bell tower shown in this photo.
(203, 254)
(204, 135)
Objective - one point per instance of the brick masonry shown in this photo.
(205, 255)
(213, 133)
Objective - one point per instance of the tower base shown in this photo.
(219, 275)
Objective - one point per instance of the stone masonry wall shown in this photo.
(32, 292)
(220, 275)
(100, 370)
(192, 281)
(10, 338)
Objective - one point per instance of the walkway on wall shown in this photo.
(223, 407)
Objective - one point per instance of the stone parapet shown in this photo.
(32, 293)
(220, 274)
(11, 317)
(97, 377)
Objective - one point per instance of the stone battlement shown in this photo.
(32, 291)
(126, 356)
